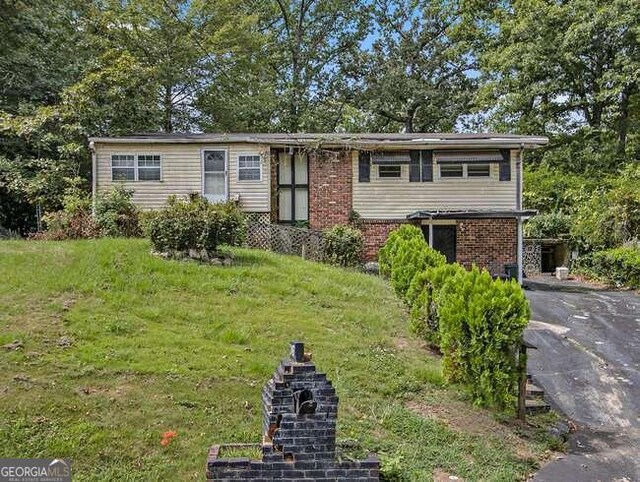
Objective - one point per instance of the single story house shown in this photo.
(464, 190)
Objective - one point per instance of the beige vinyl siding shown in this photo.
(182, 173)
(396, 198)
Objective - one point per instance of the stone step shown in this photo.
(536, 406)
(534, 391)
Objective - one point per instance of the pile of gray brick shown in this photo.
(299, 432)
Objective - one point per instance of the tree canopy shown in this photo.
(75, 68)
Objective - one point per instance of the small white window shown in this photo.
(249, 168)
(123, 167)
(478, 170)
(390, 171)
(149, 166)
(450, 170)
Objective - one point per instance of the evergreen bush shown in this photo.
(195, 224)
(481, 322)
(397, 236)
(422, 292)
(411, 257)
(343, 245)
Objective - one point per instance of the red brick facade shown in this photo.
(375, 234)
(489, 243)
(330, 189)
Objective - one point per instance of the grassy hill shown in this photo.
(120, 346)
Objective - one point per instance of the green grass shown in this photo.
(156, 345)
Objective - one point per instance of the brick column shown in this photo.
(488, 243)
(330, 188)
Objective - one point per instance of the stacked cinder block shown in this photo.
(299, 427)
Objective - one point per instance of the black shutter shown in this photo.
(364, 167)
(414, 166)
(427, 166)
(505, 165)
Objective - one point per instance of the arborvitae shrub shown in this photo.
(420, 297)
(412, 256)
(481, 322)
(343, 245)
(396, 237)
(196, 224)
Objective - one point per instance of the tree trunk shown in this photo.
(168, 109)
(623, 119)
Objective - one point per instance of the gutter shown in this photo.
(519, 247)
(94, 179)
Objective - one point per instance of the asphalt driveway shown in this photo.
(588, 363)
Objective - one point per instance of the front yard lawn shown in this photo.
(117, 346)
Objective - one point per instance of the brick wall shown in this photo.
(375, 234)
(489, 243)
(330, 189)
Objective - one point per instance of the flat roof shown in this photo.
(472, 214)
(332, 139)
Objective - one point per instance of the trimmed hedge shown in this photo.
(620, 266)
(195, 224)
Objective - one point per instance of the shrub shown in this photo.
(551, 225)
(343, 245)
(195, 224)
(412, 256)
(481, 322)
(620, 266)
(388, 251)
(73, 221)
(422, 292)
(116, 214)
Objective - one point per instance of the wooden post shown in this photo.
(522, 388)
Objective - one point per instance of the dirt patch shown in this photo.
(442, 476)
(462, 417)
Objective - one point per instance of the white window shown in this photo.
(390, 171)
(149, 167)
(123, 167)
(141, 167)
(249, 168)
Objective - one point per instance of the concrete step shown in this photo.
(536, 406)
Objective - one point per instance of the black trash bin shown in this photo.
(511, 270)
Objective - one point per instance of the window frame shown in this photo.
(465, 171)
(240, 169)
(398, 166)
(136, 167)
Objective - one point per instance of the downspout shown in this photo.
(94, 180)
(518, 209)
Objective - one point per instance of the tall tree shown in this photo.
(418, 74)
(311, 41)
(555, 67)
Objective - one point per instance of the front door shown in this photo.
(444, 240)
(214, 175)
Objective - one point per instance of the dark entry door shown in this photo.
(444, 240)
